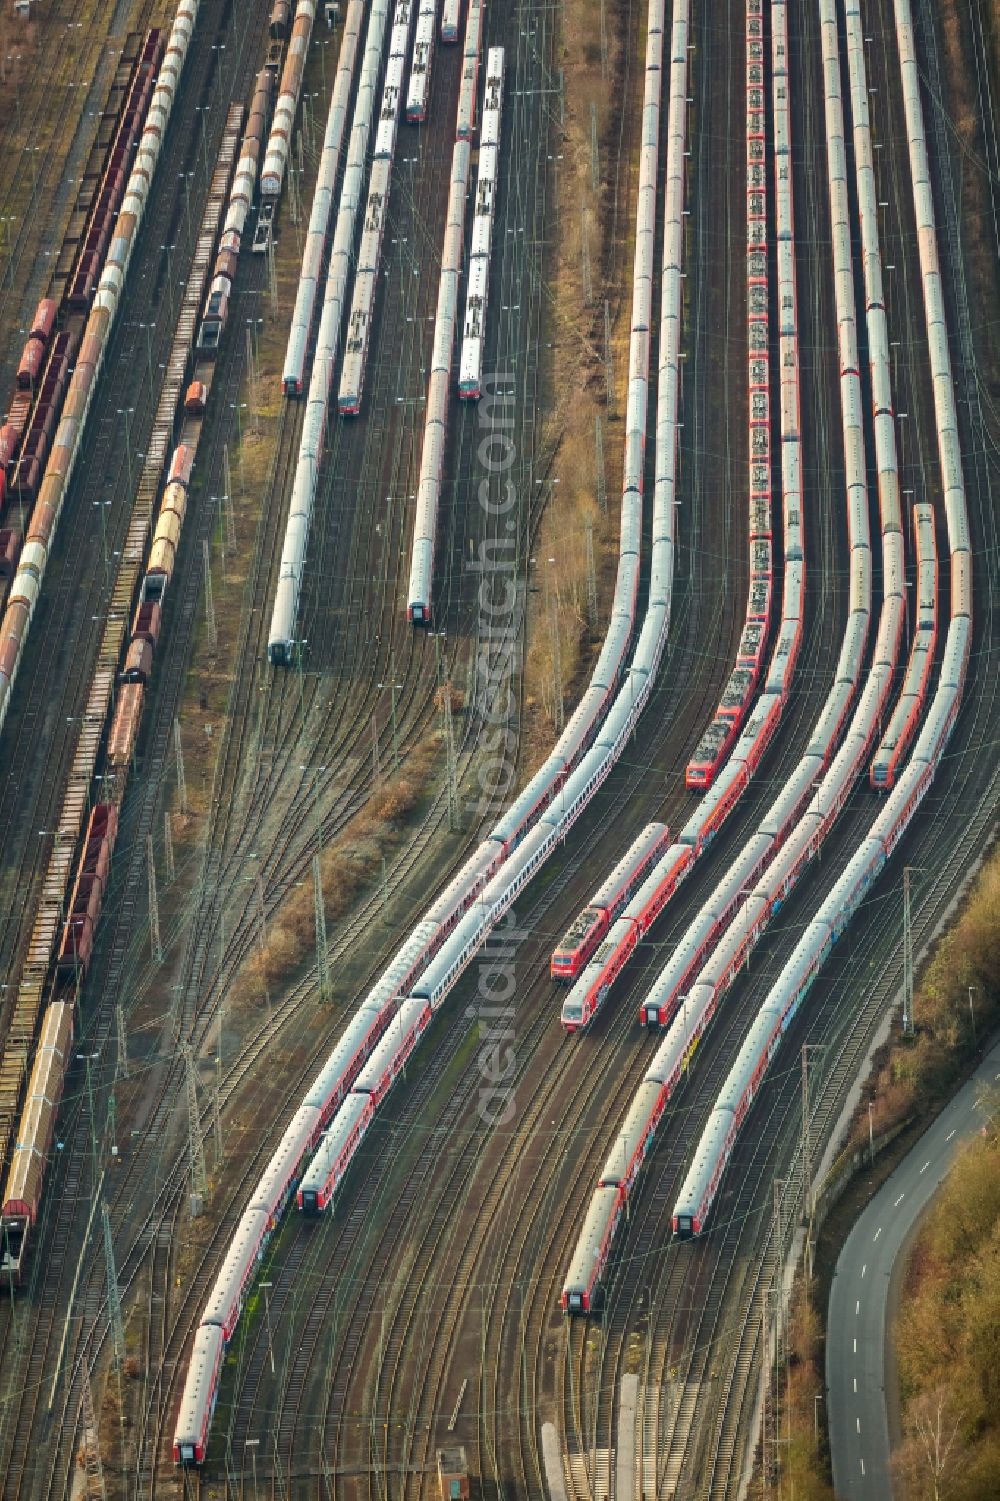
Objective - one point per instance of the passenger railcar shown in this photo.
(590, 926)
(419, 85)
(352, 375)
(478, 285)
(586, 1270)
(701, 1185)
(561, 792)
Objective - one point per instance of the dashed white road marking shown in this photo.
(864, 1269)
(862, 1466)
(950, 1135)
(855, 1383)
(878, 1232)
(899, 1201)
(855, 1344)
(925, 1167)
(858, 1421)
(857, 1308)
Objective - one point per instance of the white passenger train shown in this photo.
(359, 324)
(729, 771)
(450, 15)
(418, 90)
(470, 365)
(717, 942)
(441, 946)
(311, 274)
(701, 1184)
(418, 606)
(284, 616)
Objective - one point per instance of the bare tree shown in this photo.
(932, 1457)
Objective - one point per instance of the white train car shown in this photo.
(352, 375)
(419, 589)
(281, 641)
(477, 289)
(465, 124)
(419, 86)
(700, 1186)
(317, 234)
(451, 13)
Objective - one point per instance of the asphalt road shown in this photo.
(862, 1288)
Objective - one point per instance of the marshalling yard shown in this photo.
(498, 693)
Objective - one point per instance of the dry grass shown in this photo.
(578, 372)
(351, 865)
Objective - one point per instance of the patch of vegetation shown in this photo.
(350, 863)
(947, 1336)
(803, 1457)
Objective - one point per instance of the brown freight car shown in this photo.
(138, 662)
(146, 625)
(23, 1189)
(125, 725)
(30, 367)
(44, 320)
(195, 397)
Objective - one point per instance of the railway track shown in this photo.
(50, 1281)
(415, 1335)
(42, 183)
(845, 1037)
(407, 1423)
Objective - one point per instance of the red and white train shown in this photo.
(721, 734)
(701, 1184)
(589, 927)
(744, 750)
(441, 947)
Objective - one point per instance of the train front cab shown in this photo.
(572, 1017)
(685, 1226)
(13, 1243)
(582, 1300)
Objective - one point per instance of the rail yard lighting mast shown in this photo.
(252, 1445)
(265, 1288)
